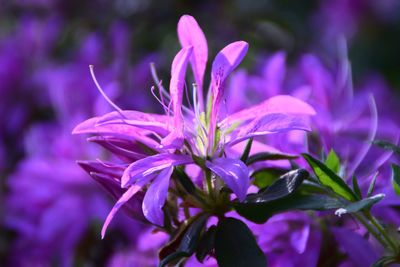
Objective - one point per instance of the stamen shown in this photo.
(161, 88)
(157, 80)
(187, 97)
(118, 109)
(158, 99)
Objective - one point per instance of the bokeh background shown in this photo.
(50, 209)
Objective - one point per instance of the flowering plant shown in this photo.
(191, 172)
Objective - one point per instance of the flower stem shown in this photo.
(209, 184)
(382, 231)
(370, 229)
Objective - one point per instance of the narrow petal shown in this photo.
(124, 198)
(224, 63)
(98, 167)
(177, 82)
(133, 207)
(274, 73)
(234, 173)
(149, 165)
(227, 60)
(127, 150)
(178, 72)
(190, 34)
(151, 122)
(155, 197)
(271, 123)
(284, 104)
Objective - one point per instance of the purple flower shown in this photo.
(184, 134)
(60, 207)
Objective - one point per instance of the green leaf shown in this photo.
(268, 156)
(246, 151)
(284, 186)
(206, 244)
(357, 206)
(356, 188)
(330, 179)
(188, 241)
(387, 145)
(235, 245)
(332, 162)
(384, 261)
(372, 185)
(396, 178)
(267, 176)
(261, 212)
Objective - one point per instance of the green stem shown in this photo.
(209, 184)
(382, 231)
(370, 229)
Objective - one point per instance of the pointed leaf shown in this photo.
(387, 145)
(188, 241)
(330, 179)
(267, 176)
(206, 244)
(233, 172)
(263, 156)
(356, 188)
(332, 162)
(261, 212)
(235, 245)
(396, 178)
(360, 205)
(246, 151)
(284, 186)
(384, 261)
(372, 185)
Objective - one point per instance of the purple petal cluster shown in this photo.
(152, 145)
(50, 204)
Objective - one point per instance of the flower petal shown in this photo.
(155, 197)
(233, 172)
(274, 73)
(147, 166)
(127, 150)
(150, 122)
(224, 63)
(271, 123)
(190, 34)
(124, 198)
(133, 207)
(284, 104)
(178, 72)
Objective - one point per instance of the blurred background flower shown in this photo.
(51, 210)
